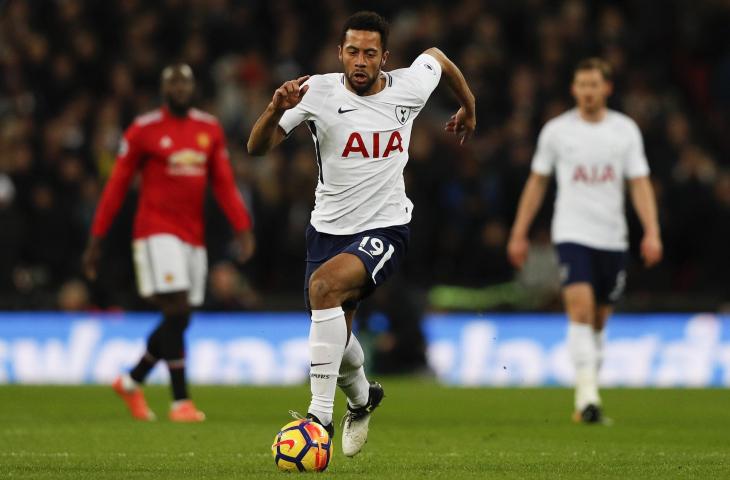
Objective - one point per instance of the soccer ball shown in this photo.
(302, 445)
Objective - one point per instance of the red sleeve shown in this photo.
(224, 187)
(125, 167)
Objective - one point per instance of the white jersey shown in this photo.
(361, 143)
(591, 160)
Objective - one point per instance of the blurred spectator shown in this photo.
(228, 290)
(73, 297)
(12, 232)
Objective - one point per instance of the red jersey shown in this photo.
(176, 156)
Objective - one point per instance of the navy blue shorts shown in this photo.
(605, 270)
(381, 250)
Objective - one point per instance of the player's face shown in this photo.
(362, 57)
(590, 90)
(178, 86)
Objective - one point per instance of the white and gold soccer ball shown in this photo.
(302, 445)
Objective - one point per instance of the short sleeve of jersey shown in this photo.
(636, 163)
(426, 73)
(543, 162)
(308, 107)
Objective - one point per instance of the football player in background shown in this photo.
(360, 121)
(593, 150)
(177, 149)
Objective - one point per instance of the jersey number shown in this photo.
(376, 246)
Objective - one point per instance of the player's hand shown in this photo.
(246, 245)
(517, 249)
(290, 94)
(651, 249)
(90, 258)
(462, 124)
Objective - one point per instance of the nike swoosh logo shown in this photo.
(288, 443)
(340, 110)
(318, 364)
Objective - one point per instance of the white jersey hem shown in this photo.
(324, 228)
(586, 242)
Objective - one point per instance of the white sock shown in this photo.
(327, 338)
(352, 379)
(599, 339)
(128, 383)
(582, 347)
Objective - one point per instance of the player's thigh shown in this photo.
(197, 262)
(577, 276)
(341, 278)
(172, 305)
(332, 261)
(381, 252)
(161, 265)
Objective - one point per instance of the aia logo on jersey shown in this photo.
(356, 144)
(402, 113)
(592, 174)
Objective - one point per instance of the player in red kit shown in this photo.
(177, 150)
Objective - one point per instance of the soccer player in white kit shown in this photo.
(592, 150)
(360, 121)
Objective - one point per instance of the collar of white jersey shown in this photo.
(388, 83)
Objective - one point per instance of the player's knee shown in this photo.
(175, 309)
(172, 337)
(323, 291)
(174, 304)
(581, 315)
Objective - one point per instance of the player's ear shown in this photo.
(384, 59)
(609, 88)
(339, 52)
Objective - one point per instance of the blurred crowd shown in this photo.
(75, 73)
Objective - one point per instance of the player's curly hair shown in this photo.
(368, 21)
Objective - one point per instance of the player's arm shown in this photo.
(266, 133)
(532, 196)
(530, 203)
(464, 121)
(642, 197)
(112, 198)
(230, 200)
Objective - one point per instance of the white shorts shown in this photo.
(165, 264)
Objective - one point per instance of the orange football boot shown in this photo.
(135, 401)
(185, 411)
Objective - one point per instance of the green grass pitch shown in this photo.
(422, 430)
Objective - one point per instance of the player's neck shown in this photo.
(594, 116)
(177, 112)
(376, 87)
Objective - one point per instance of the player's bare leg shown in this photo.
(340, 280)
(580, 306)
(176, 311)
(166, 343)
(128, 386)
(599, 332)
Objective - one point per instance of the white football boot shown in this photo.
(356, 420)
